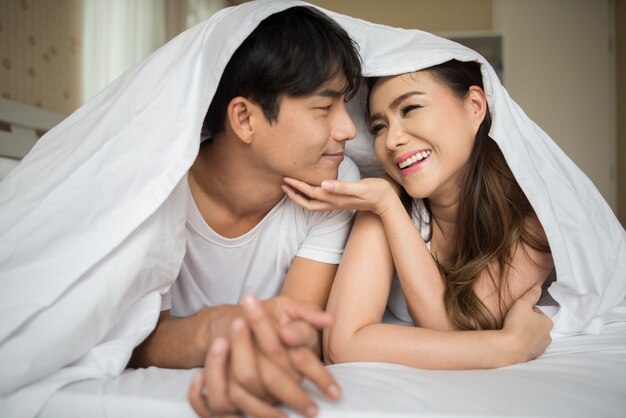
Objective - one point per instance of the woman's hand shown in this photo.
(372, 194)
(528, 327)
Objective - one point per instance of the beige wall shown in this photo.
(40, 53)
(620, 70)
(428, 15)
(560, 70)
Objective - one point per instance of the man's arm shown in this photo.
(182, 343)
(310, 281)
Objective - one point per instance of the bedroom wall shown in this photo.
(559, 66)
(40, 53)
(428, 15)
(620, 70)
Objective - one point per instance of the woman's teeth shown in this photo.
(415, 158)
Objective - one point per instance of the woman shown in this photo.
(450, 220)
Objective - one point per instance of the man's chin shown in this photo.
(318, 177)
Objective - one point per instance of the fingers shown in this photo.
(334, 194)
(310, 366)
(288, 310)
(257, 380)
(299, 333)
(243, 359)
(278, 374)
(266, 335)
(314, 316)
(327, 188)
(306, 201)
(286, 389)
(251, 405)
(341, 187)
(532, 295)
(216, 378)
(197, 400)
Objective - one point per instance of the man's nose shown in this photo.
(344, 129)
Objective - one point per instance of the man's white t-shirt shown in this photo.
(218, 270)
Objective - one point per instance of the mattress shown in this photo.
(578, 376)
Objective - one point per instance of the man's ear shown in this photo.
(478, 105)
(240, 115)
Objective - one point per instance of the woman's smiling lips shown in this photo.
(412, 161)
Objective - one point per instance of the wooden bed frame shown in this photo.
(21, 125)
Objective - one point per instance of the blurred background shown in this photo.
(563, 61)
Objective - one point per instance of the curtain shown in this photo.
(118, 34)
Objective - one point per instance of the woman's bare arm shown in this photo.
(418, 273)
(358, 299)
(529, 267)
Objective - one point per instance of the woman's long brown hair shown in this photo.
(492, 220)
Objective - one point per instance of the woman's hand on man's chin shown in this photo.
(376, 195)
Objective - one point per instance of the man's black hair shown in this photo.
(290, 53)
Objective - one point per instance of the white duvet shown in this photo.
(91, 222)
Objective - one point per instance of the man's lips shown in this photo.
(334, 155)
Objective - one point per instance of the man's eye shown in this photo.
(375, 129)
(408, 108)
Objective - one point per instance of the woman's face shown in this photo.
(424, 134)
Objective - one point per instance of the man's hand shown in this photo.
(264, 362)
(528, 327)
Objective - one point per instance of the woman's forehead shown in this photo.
(422, 80)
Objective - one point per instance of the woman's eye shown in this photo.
(408, 108)
(375, 129)
(325, 108)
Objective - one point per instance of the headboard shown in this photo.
(21, 125)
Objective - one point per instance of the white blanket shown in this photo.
(91, 221)
(579, 376)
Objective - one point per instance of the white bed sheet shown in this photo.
(579, 376)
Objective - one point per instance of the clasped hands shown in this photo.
(263, 361)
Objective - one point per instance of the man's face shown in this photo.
(308, 138)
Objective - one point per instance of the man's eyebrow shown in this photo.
(397, 102)
(328, 93)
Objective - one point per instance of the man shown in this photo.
(278, 112)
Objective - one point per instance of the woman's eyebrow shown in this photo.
(406, 95)
(397, 102)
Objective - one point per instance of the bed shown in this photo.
(578, 376)
(21, 125)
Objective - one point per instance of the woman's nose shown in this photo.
(395, 137)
